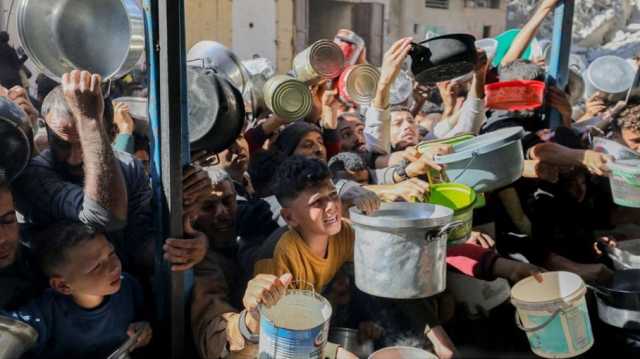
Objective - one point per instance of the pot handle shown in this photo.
(445, 229)
(474, 155)
(537, 327)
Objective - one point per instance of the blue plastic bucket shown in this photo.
(295, 328)
(554, 314)
(486, 162)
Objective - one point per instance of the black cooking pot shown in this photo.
(15, 140)
(443, 58)
(216, 111)
(622, 291)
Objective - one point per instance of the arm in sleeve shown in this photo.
(472, 260)
(44, 197)
(470, 120)
(124, 142)
(377, 130)
(210, 309)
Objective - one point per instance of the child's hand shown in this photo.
(143, 333)
(515, 271)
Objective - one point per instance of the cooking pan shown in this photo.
(101, 36)
(443, 58)
(622, 291)
(15, 139)
(216, 110)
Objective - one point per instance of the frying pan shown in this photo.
(443, 58)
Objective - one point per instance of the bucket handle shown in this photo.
(474, 155)
(538, 327)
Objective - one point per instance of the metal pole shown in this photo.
(560, 50)
(170, 145)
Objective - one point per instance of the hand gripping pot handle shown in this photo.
(437, 233)
(537, 327)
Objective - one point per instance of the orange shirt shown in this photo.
(293, 255)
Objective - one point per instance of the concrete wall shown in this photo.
(455, 19)
(208, 20)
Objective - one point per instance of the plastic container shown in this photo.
(402, 353)
(490, 47)
(554, 314)
(296, 327)
(615, 149)
(487, 162)
(610, 75)
(461, 199)
(424, 146)
(515, 95)
(625, 182)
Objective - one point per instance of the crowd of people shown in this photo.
(77, 240)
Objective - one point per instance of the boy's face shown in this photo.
(92, 269)
(631, 138)
(316, 211)
(8, 230)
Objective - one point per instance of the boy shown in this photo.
(92, 307)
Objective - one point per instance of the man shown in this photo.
(19, 280)
(81, 179)
(351, 132)
(404, 129)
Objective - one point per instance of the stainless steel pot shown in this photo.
(16, 338)
(619, 318)
(214, 55)
(100, 36)
(216, 111)
(139, 111)
(400, 250)
(15, 139)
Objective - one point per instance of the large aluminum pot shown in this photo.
(15, 139)
(400, 250)
(214, 55)
(100, 36)
(16, 338)
(216, 110)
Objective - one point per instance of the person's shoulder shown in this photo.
(124, 157)
(42, 162)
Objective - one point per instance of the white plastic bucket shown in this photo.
(554, 314)
(625, 182)
(295, 328)
(402, 353)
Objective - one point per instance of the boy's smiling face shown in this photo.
(317, 211)
(92, 269)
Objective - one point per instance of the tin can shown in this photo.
(322, 60)
(358, 83)
(287, 97)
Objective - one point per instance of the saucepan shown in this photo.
(619, 299)
(443, 58)
(16, 338)
(101, 36)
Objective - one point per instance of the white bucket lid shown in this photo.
(610, 74)
(556, 288)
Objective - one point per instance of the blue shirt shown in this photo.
(68, 331)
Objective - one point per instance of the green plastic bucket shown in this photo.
(461, 199)
(625, 182)
(424, 146)
(504, 43)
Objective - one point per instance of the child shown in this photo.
(92, 307)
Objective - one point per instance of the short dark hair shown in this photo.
(296, 175)
(521, 70)
(52, 244)
(262, 168)
(399, 108)
(347, 161)
(4, 37)
(4, 181)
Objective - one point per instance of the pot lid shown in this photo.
(404, 215)
(482, 144)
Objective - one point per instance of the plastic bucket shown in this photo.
(358, 83)
(554, 314)
(611, 75)
(322, 60)
(625, 182)
(287, 97)
(615, 149)
(461, 200)
(295, 328)
(402, 353)
(515, 95)
(486, 162)
(424, 146)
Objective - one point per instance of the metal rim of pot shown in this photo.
(134, 51)
(221, 59)
(616, 297)
(481, 144)
(19, 329)
(458, 58)
(444, 218)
